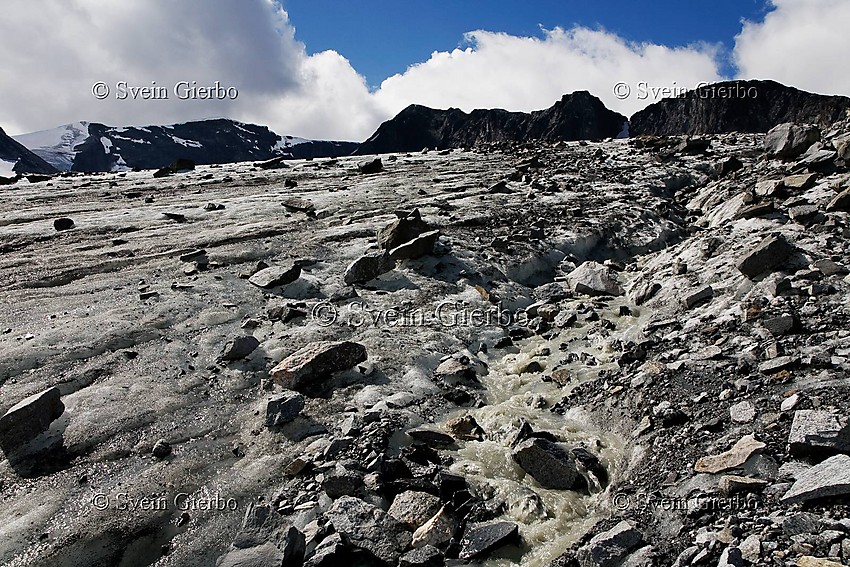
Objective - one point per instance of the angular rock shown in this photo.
(742, 412)
(29, 418)
(408, 226)
(806, 215)
(371, 166)
(413, 508)
(610, 548)
(811, 561)
(239, 348)
(731, 557)
(789, 140)
(283, 408)
(367, 527)
(800, 182)
(298, 204)
(826, 479)
(548, 464)
(816, 432)
(329, 553)
(275, 276)
(733, 484)
(367, 268)
(699, 297)
(777, 364)
(593, 278)
(781, 325)
(840, 202)
(339, 482)
(420, 246)
(480, 540)
(745, 448)
(437, 531)
(317, 361)
(465, 428)
(427, 556)
(770, 253)
(161, 449)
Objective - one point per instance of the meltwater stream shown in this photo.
(550, 520)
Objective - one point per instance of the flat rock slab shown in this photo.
(770, 253)
(367, 527)
(275, 276)
(29, 418)
(431, 437)
(316, 361)
(815, 431)
(482, 539)
(829, 478)
(547, 463)
(745, 448)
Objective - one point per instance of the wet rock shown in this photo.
(770, 253)
(371, 166)
(239, 348)
(275, 276)
(283, 408)
(427, 556)
(29, 418)
(413, 508)
(745, 448)
(788, 140)
(161, 449)
(548, 464)
(369, 528)
(367, 268)
(465, 428)
(480, 540)
(610, 548)
(818, 432)
(317, 361)
(593, 278)
(431, 437)
(63, 224)
(826, 479)
(420, 246)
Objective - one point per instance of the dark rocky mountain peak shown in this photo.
(23, 160)
(737, 106)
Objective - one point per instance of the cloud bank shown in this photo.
(54, 51)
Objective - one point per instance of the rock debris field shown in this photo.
(629, 352)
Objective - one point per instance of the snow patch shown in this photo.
(187, 143)
(107, 144)
(624, 133)
(285, 142)
(7, 168)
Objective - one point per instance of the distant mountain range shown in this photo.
(744, 106)
(91, 147)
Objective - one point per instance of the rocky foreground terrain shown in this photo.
(630, 352)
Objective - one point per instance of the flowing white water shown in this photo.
(550, 520)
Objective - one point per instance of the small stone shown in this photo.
(735, 457)
(63, 224)
(840, 202)
(731, 557)
(777, 364)
(742, 412)
(699, 297)
(465, 428)
(800, 182)
(781, 325)
(422, 245)
(480, 540)
(811, 561)
(751, 548)
(283, 408)
(239, 348)
(427, 556)
(734, 484)
(275, 276)
(437, 531)
(790, 402)
(161, 449)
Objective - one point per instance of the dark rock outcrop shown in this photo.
(737, 106)
(25, 160)
(577, 116)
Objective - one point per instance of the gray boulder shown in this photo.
(239, 348)
(420, 246)
(275, 276)
(369, 528)
(481, 539)
(317, 360)
(367, 268)
(283, 408)
(593, 278)
(818, 432)
(610, 548)
(788, 140)
(828, 478)
(29, 418)
(413, 508)
(547, 463)
(770, 253)
(427, 556)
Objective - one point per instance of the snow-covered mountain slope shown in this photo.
(90, 146)
(16, 158)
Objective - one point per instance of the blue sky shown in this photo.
(383, 37)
